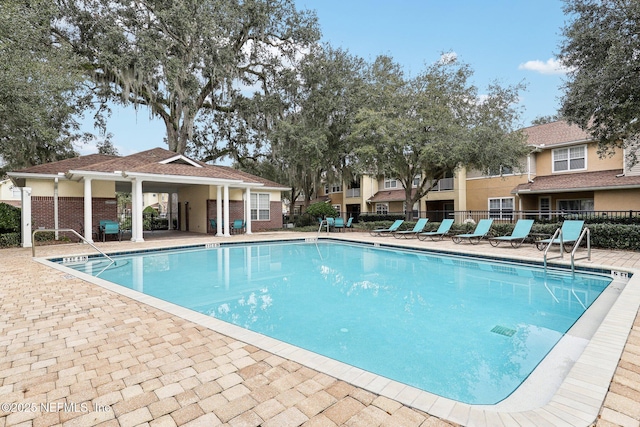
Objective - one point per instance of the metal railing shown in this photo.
(586, 232)
(33, 240)
(558, 234)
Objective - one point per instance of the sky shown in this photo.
(504, 41)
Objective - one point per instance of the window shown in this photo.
(501, 208)
(390, 183)
(577, 205)
(382, 208)
(502, 170)
(335, 188)
(260, 207)
(545, 207)
(416, 181)
(337, 208)
(15, 192)
(570, 159)
(415, 211)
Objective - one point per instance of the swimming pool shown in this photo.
(467, 329)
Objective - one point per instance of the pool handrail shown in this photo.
(33, 239)
(558, 234)
(586, 232)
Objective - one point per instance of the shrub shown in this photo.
(9, 218)
(321, 210)
(371, 217)
(8, 240)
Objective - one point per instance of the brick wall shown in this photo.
(236, 211)
(70, 212)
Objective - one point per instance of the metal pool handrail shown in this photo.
(586, 232)
(557, 233)
(33, 239)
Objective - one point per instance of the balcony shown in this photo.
(353, 192)
(444, 184)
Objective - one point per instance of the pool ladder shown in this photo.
(586, 232)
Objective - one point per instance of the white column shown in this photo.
(88, 220)
(56, 221)
(247, 210)
(25, 223)
(227, 220)
(219, 211)
(136, 211)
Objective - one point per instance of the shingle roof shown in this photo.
(555, 133)
(578, 182)
(390, 196)
(63, 166)
(148, 162)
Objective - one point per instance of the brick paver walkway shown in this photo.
(75, 354)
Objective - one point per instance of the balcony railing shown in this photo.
(444, 184)
(353, 192)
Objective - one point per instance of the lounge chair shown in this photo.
(386, 231)
(109, 227)
(567, 237)
(478, 234)
(442, 230)
(349, 223)
(518, 235)
(237, 226)
(418, 228)
(338, 223)
(214, 226)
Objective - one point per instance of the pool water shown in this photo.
(462, 328)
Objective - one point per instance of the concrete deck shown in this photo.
(74, 353)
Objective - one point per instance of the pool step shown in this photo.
(502, 330)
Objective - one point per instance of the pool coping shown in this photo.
(576, 402)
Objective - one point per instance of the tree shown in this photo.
(41, 91)
(306, 119)
(541, 120)
(601, 46)
(433, 124)
(181, 58)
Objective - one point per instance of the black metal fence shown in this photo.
(504, 216)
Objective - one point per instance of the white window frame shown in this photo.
(337, 208)
(570, 153)
(382, 207)
(258, 208)
(390, 183)
(503, 212)
(335, 188)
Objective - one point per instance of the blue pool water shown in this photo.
(463, 328)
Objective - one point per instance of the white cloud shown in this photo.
(551, 66)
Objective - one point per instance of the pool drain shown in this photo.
(503, 331)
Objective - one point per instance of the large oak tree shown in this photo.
(601, 46)
(183, 57)
(433, 124)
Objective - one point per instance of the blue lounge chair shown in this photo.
(518, 235)
(338, 224)
(567, 237)
(214, 226)
(349, 223)
(386, 231)
(109, 227)
(237, 226)
(442, 230)
(418, 228)
(478, 234)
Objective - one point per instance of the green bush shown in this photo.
(371, 217)
(9, 218)
(321, 210)
(8, 240)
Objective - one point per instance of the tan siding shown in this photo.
(617, 200)
(480, 190)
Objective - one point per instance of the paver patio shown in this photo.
(76, 354)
